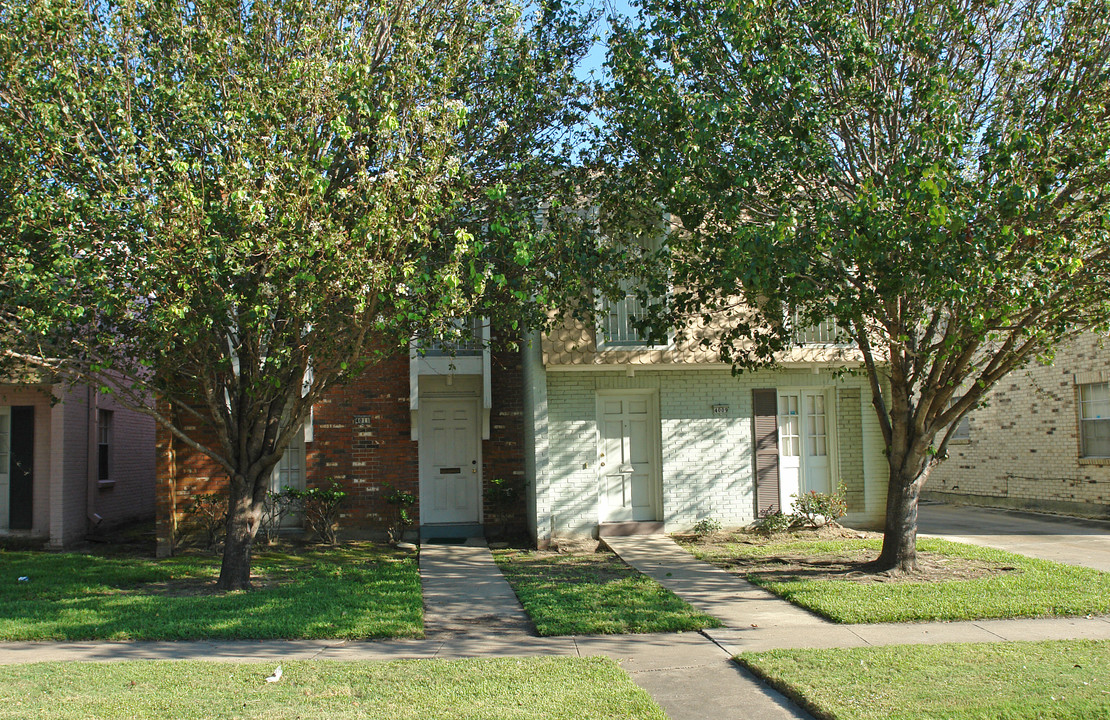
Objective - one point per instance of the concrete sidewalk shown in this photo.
(732, 600)
(758, 620)
(465, 593)
(471, 610)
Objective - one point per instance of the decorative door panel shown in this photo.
(628, 472)
(450, 477)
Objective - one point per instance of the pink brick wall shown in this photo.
(65, 454)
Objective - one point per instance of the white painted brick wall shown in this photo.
(707, 460)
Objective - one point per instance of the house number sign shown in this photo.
(720, 409)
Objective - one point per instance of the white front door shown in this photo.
(803, 444)
(450, 462)
(626, 459)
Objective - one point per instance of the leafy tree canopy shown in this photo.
(933, 176)
(230, 206)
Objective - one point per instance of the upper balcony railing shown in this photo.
(467, 340)
(826, 333)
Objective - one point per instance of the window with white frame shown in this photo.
(620, 318)
(464, 337)
(1094, 419)
(826, 333)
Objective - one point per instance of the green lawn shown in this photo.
(1031, 588)
(591, 594)
(506, 688)
(1064, 680)
(352, 591)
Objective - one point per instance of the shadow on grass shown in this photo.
(359, 591)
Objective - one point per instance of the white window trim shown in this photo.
(1080, 403)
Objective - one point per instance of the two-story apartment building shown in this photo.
(627, 436)
(603, 432)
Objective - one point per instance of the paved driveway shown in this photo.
(1066, 540)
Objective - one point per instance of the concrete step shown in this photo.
(625, 529)
(451, 530)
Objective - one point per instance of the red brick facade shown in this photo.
(365, 457)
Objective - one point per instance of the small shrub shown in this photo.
(321, 509)
(772, 521)
(206, 518)
(814, 509)
(402, 503)
(500, 494)
(277, 507)
(706, 526)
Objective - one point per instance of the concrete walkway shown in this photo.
(755, 619)
(465, 593)
(471, 610)
(734, 601)
(1050, 537)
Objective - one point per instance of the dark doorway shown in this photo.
(22, 478)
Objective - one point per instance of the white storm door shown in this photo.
(790, 448)
(815, 476)
(450, 477)
(626, 462)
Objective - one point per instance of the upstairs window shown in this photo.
(962, 433)
(824, 334)
(619, 318)
(465, 337)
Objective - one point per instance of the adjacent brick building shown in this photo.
(1042, 441)
(72, 463)
(367, 437)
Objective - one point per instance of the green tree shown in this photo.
(219, 209)
(933, 176)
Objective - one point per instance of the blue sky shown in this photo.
(596, 57)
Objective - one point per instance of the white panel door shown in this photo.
(790, 448)
(627, 459)
(816, 478)
(450, 466)
(804, 422)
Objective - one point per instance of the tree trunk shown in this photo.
(900, 536)
(904, 485)
(242, 525)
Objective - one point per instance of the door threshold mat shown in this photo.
(445, 541)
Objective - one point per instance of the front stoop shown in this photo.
(451, 530)
(623, 529)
